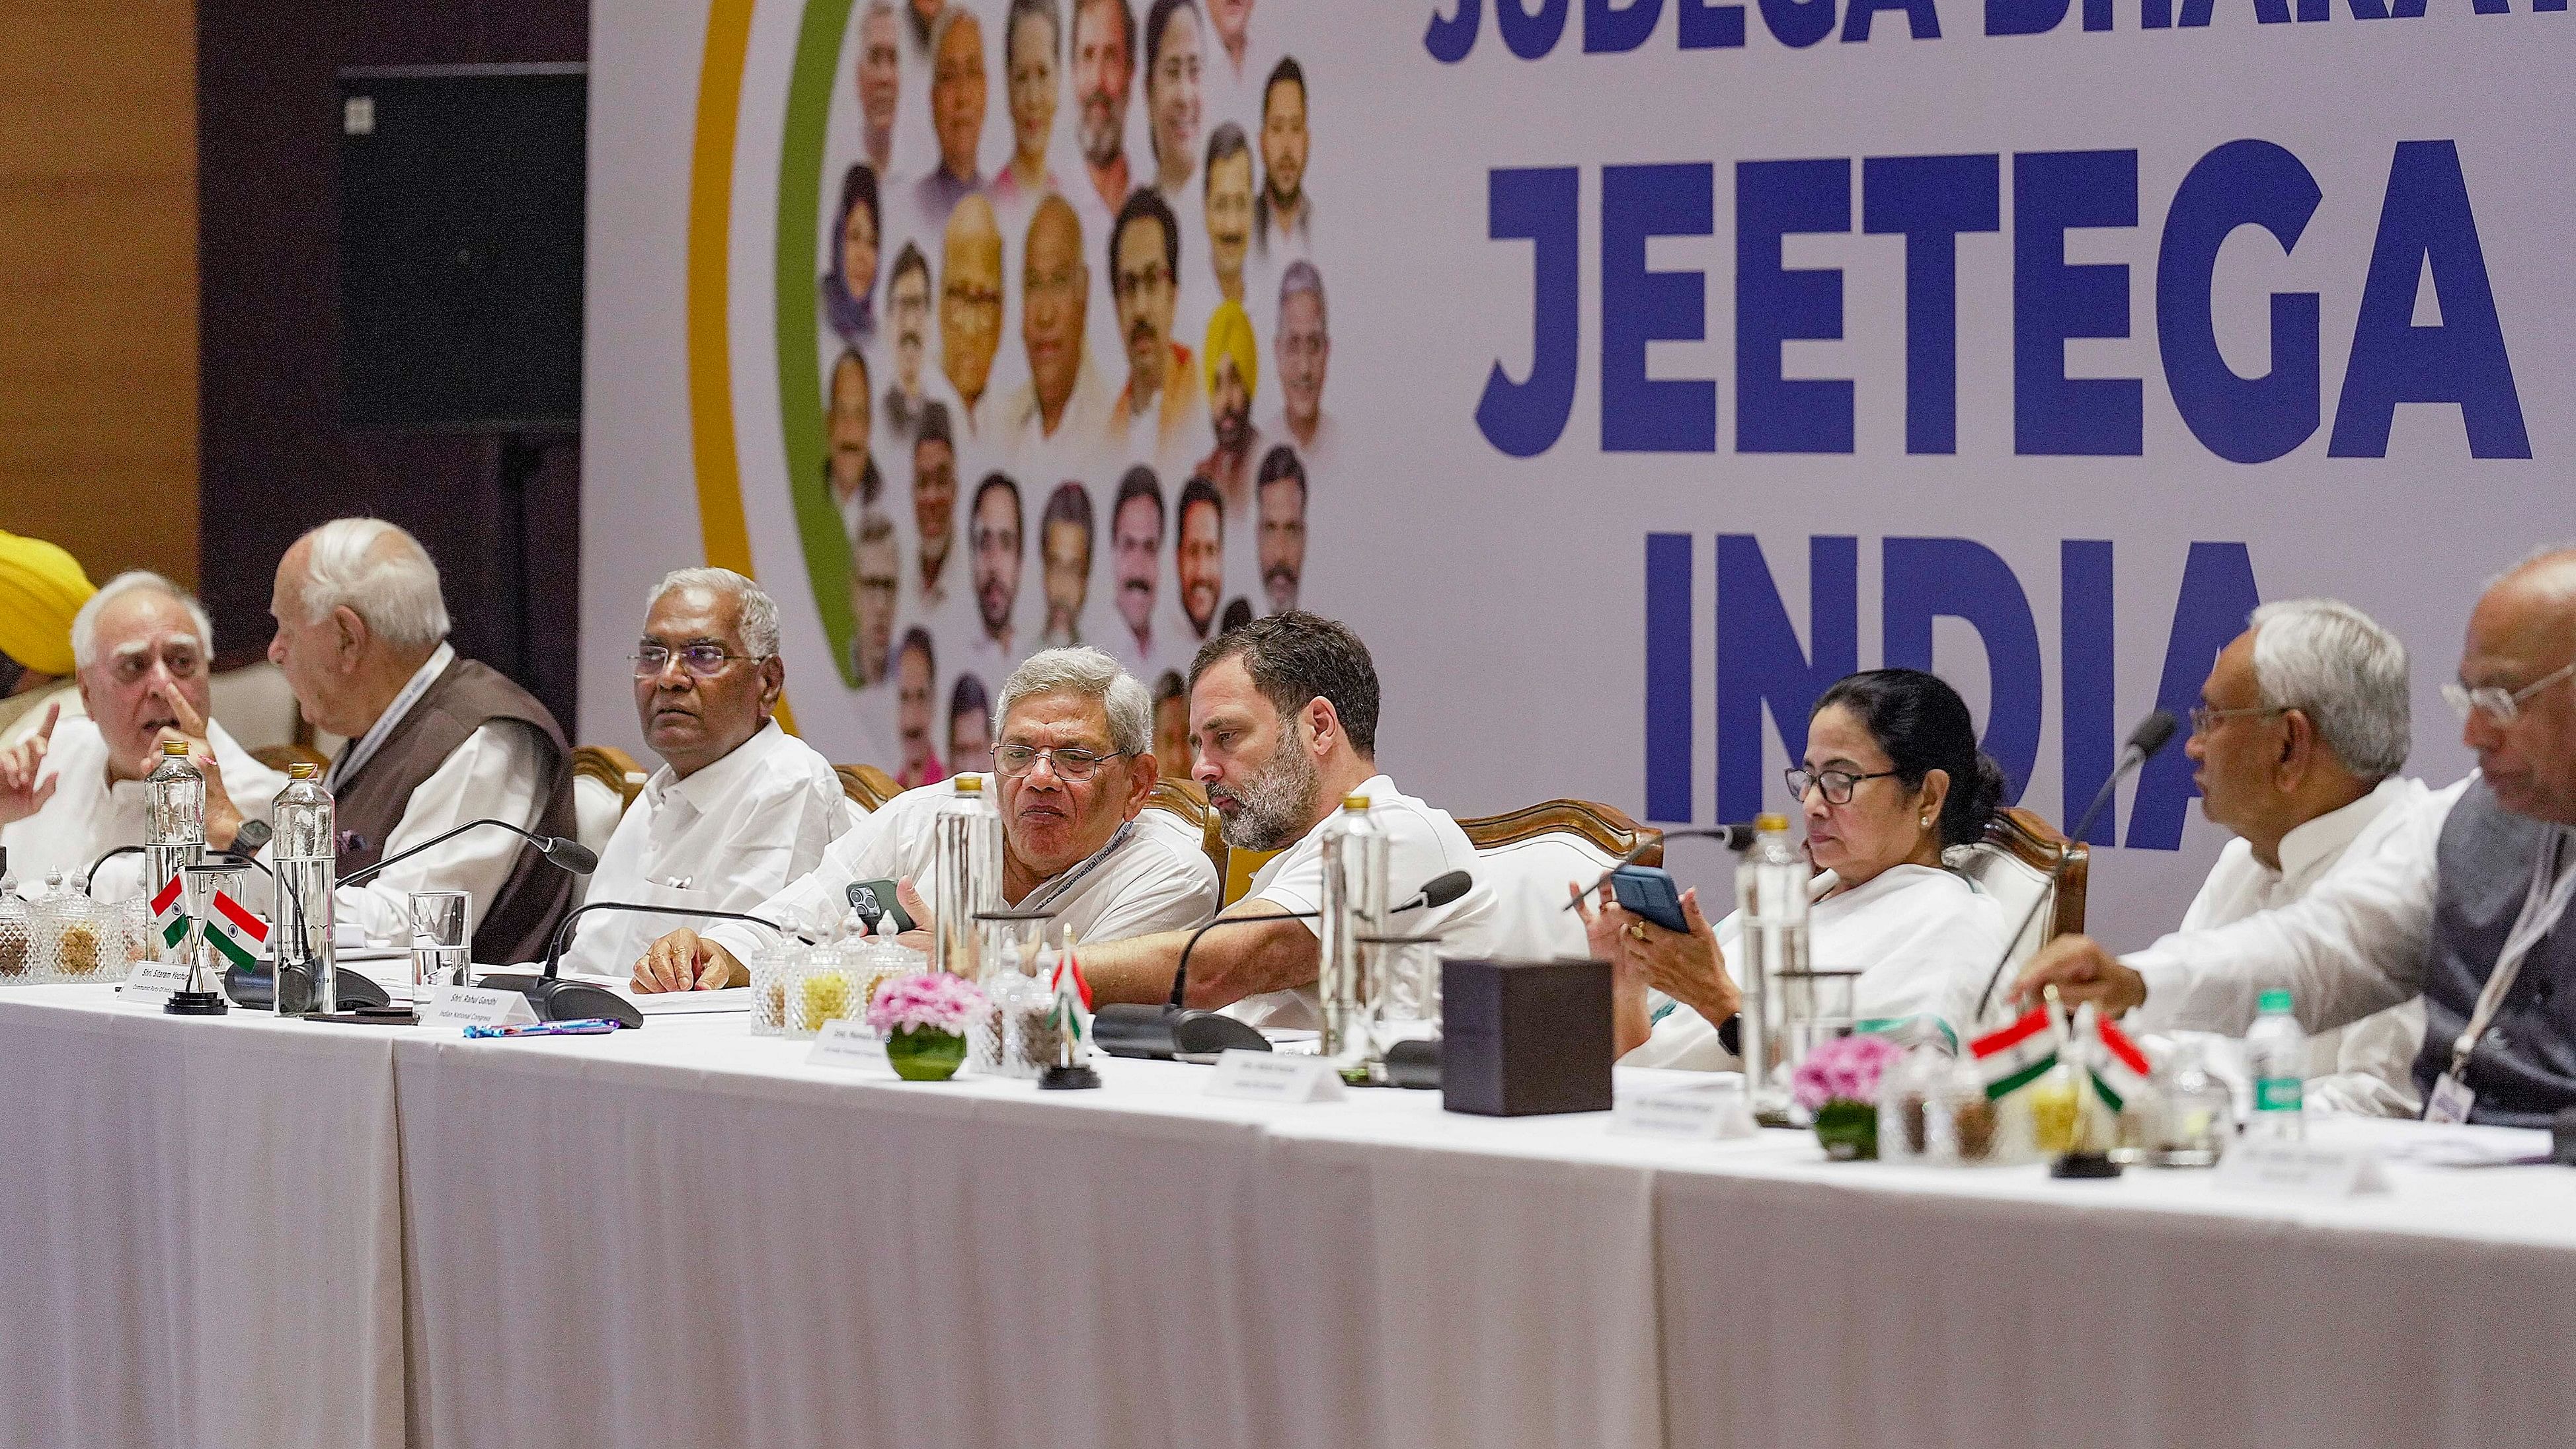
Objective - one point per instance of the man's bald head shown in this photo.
(1053, 283)
(2522, 633)
(970, 296)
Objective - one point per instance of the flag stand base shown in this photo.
(1067, 1079)
(196, 1003)
(2084, 1165)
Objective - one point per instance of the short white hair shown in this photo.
(759, 620)
(85, 623)
(1093, 675)
(2340, 668)
(393, 587)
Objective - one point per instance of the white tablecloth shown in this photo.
(203, 1230)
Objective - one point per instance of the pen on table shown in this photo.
(587, 1026)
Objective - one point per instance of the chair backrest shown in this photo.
(2012, 864)
(867, 786)
(1526, 858)
(605, 781)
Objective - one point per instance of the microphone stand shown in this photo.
(556, 999)
(547, 846)
(1737, 838)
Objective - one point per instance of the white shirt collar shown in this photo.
(357, 754)
(711, 786)
(2312, 845)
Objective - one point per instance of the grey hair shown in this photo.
(85, 623)
(759, 622)
(1088, 672)
(394, 589)
(2339, 667)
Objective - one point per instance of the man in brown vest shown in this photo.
(434, 741)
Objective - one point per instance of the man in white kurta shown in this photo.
(739, 807)
(74, 787)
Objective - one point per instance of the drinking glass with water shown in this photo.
(438, 939)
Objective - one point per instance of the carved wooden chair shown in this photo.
(867, 786)
(2012, 864)
(1528, 857)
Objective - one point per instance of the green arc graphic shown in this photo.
(800, 384)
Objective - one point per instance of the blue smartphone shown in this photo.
(1648, 892)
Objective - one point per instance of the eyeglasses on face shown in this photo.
(1837, 784)
(2203, 717)
(2500, 705)
(706, 661)
(1077, 766)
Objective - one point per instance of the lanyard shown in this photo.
(1049, 892)
(361, 750)
(2542, 906)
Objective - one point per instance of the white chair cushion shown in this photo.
(596, 809)
(2014, 886)
(1528, 880)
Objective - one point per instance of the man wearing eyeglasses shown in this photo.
(2465, 904)
(740, 807)
(73, 789)
(1075, 765)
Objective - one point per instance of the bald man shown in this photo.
(2466, 905)
(970, 306)
(1064, 394)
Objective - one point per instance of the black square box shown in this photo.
(1521, 1038)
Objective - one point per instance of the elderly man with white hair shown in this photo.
(73, 789)
(2302, 727)
(1074, 760)
(740, 807)
(435, 741)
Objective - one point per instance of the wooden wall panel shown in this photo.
(98, 280)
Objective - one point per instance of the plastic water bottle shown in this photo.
(2276, 1057)
(1771, 890)
(965, 876)
(306, 852)
(174, 829)
(1354, 907)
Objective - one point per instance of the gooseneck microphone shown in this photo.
(1175, 1032)
(1738, 838)
(245, 847)
(571, 855)
(555, 999)
(2152, 734)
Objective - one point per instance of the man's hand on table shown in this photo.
(686, 961)
(2081, 971)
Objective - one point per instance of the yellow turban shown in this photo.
(1230, 335)
(41, 587)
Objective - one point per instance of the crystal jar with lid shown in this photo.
(17, 932)
(70, 933)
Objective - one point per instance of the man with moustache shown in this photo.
(1233, 368)
(876, 582)
(1304, 347)
(1283, 205)
(1073, 768)
(1160, 411)
(1136, 552)
(1174, 100)
(1064, 396)
(916, 681)
(1198, 558)
(908, 318)
(739, 807)
(849, 471)
(993, 528)
(1104, 70)
(1064, 563)
(1227, 196)
(880, 84)
(970, 306)
(1282, 505)
(956, 116)
(934, 508)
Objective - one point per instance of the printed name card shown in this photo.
(1274, 1077)
(1714, 1112)
(2302, 1169)
(846, 1043)
(462, 1006)
(151, 982)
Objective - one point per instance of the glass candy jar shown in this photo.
(17, 932)
(1913, 1108)
(820, 987)
(71, 933)
(769, 988)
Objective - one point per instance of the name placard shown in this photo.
(1714, 1112)
(846, 1043)
(151, 982)
(1274, 1077)
(2302, 1169)
(462, 1006)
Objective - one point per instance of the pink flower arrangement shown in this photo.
(926, 1001)
(1845, 1069)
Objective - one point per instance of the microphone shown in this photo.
(2152, 734)
(1174, 1032)
(571, 855)
(246, 844)
(555, 999)
(1738, 838)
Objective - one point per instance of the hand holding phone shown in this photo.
(1648, 893)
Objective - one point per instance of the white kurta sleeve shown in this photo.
(2352, 946)
(869, 850)
(496, 773)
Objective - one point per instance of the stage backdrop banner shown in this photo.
(1623, 373)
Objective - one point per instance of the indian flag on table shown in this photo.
(234, 932)
(2122, 1070)
(170, 915)
(2016, 1056)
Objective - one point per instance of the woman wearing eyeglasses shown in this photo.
(1892, 777)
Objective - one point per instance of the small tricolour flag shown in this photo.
(234, 932)
(170, 915)
(2121, 1071)
(1072, 993)
(2016, 1056)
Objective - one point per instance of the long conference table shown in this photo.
(249, 1232)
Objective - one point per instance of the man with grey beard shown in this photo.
(1283, 716)
(1104, 72)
